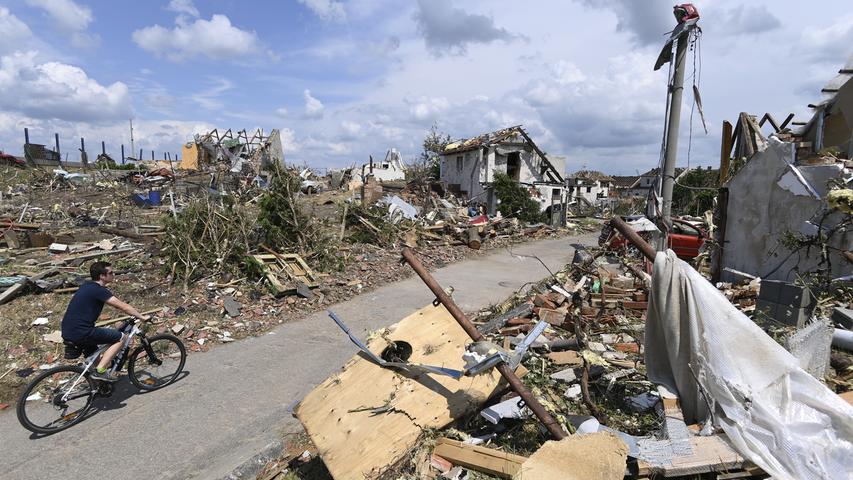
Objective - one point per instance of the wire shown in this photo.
(696, 45)
(509, 249)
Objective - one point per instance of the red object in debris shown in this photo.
(684, 12)
(627, 347)
(481, 220)
(11, 160)
(685, 239)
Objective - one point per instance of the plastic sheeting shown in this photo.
(701, 347)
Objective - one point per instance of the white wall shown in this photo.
(766, 201)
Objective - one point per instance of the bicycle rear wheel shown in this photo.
(158, 363)
(56, 400)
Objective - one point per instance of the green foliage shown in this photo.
(282, 221)
(286, 228)
(427, 164)
(208, 237)
(515, 200)
(687, 200)
(105, 162)
(369, 225)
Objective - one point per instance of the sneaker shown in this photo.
(107, 376)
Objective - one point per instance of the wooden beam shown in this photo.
(725, 151)
(126, 317)
(482, 459)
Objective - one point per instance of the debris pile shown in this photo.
(585, 331)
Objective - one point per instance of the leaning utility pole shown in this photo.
(687, 16)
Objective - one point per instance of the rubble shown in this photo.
(187, 236)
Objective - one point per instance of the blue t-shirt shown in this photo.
(84, 310)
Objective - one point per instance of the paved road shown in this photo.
(235, 398)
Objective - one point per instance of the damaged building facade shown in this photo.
(468, 168)
(780, 199)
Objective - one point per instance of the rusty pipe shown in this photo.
(508, 374)
(632, 236)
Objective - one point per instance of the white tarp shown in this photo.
(775, 414)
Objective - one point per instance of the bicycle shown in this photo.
(62, 396)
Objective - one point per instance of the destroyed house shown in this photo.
(794, 184)
(468, 167)
(590, 186)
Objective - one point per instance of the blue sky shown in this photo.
(348, 79)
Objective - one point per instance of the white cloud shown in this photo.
(645, 22)
(288, 141)
(71, 18)
(619, 107)
(209, 97)
(313, 107)
(338, 148)
(282, 112)
(446, 28)
(58, 90)
(351, 128)
(746, 20)
(426, 108)
(328, 10)
(831, 43)
(215, 38)
(566, 73)
(12, 28)
(183, 6)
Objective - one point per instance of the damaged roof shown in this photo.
(504, 135)
(485, 139)
(592, 175)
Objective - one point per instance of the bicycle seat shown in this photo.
(74, 350)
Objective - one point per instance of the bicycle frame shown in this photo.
(117, 362)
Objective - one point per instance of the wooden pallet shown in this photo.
(285, 270)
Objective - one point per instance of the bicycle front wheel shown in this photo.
(56, 400)
(157, 362)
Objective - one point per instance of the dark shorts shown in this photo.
(100, 336)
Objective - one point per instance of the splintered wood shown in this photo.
(366, 418)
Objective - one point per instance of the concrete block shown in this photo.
(788, 315)
(843, 317)
(811, 345)
(783, 293)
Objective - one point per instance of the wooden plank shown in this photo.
(103, 253)
(356, 443)
(482, 459)
(710, 454)
(10, 292)
(125, 317)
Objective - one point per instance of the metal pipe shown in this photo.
(509, 375)
(633, 237)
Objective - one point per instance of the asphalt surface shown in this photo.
(235, 399)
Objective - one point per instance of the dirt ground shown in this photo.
(143, 278)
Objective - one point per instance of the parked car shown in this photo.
(685, 239)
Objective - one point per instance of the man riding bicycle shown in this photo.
(78, 324)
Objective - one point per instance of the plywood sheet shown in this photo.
(356, 443)
(597, 456)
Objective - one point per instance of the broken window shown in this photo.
(513, 165)
(459, 163)
(588, 189)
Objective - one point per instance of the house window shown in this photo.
(459, 163)
(588, 189)
(555, 193)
